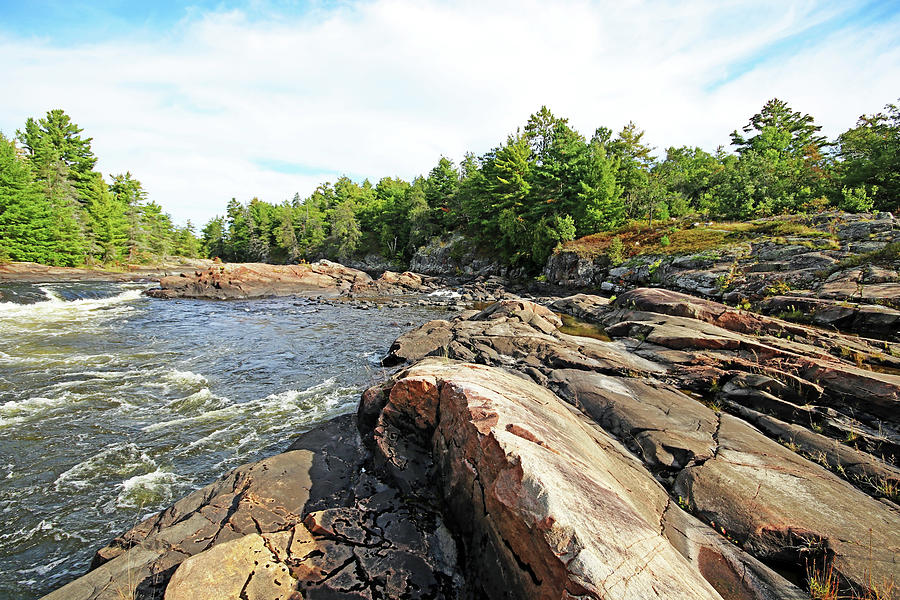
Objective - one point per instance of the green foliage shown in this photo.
(857, 199)
(869, 157)
(26, 217)
(56, 209)
(616, 251)
(545, 185)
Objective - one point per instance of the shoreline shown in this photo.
(500, 437)
(26, 272)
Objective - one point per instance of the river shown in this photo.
(113, 405)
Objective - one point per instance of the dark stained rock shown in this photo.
(313, 520)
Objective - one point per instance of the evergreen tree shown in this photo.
(108, 226)
(212, 241)
(635, 160)
(185, 241)
(237, 241)
(778, 127)
(130, 194)
(286, 236)
(26, 222)
(56, 139)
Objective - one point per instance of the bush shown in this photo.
(857, 199)
(616, 251)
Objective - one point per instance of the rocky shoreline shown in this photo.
(651, 445)
(680, 449)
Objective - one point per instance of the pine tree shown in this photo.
(25, 215)
(108, 226)
(55, 138)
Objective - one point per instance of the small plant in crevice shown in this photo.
(822, 581)
(889, 488)
(790, 445)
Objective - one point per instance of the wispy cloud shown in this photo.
(269, 99)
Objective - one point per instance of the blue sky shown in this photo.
(207, 100)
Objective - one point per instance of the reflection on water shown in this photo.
(575, 326)
(112, 405)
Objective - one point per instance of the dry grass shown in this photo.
(825, 584)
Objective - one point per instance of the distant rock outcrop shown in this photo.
(229, 281)
(795, 265)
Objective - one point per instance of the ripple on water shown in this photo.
(149, 489)
(185, 379)
(113, 405)
(116, 461)
(19, 411)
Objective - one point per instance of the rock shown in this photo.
(313, 518)
(749, 270)
(242, 568)
(513, 332)
(534, 492)
(866, 319)
(740, 359)
(583, 306)
(780, 507)
(432, 337)
(453, 256)
(255, 280)
(669, 429)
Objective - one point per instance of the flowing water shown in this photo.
(113, 405)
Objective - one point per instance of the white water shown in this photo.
(113, 405)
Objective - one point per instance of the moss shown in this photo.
(666, 238)
(889, 254)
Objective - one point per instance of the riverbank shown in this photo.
(27, 272)
(683, 449)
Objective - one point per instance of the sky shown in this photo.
(208, 100)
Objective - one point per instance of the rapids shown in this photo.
(112, 405)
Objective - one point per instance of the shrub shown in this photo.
(616, 251)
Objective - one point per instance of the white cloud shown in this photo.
(385, 87)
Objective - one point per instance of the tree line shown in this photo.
(56, 209)
(548, 183)
(545, 184)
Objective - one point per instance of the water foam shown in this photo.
(451, 294)
(187, 379)
(18, 411)
(147, 489)
(56, 310)
(115, 460)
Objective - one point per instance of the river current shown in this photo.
(113, 405)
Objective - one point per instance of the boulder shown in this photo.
(546, 507)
